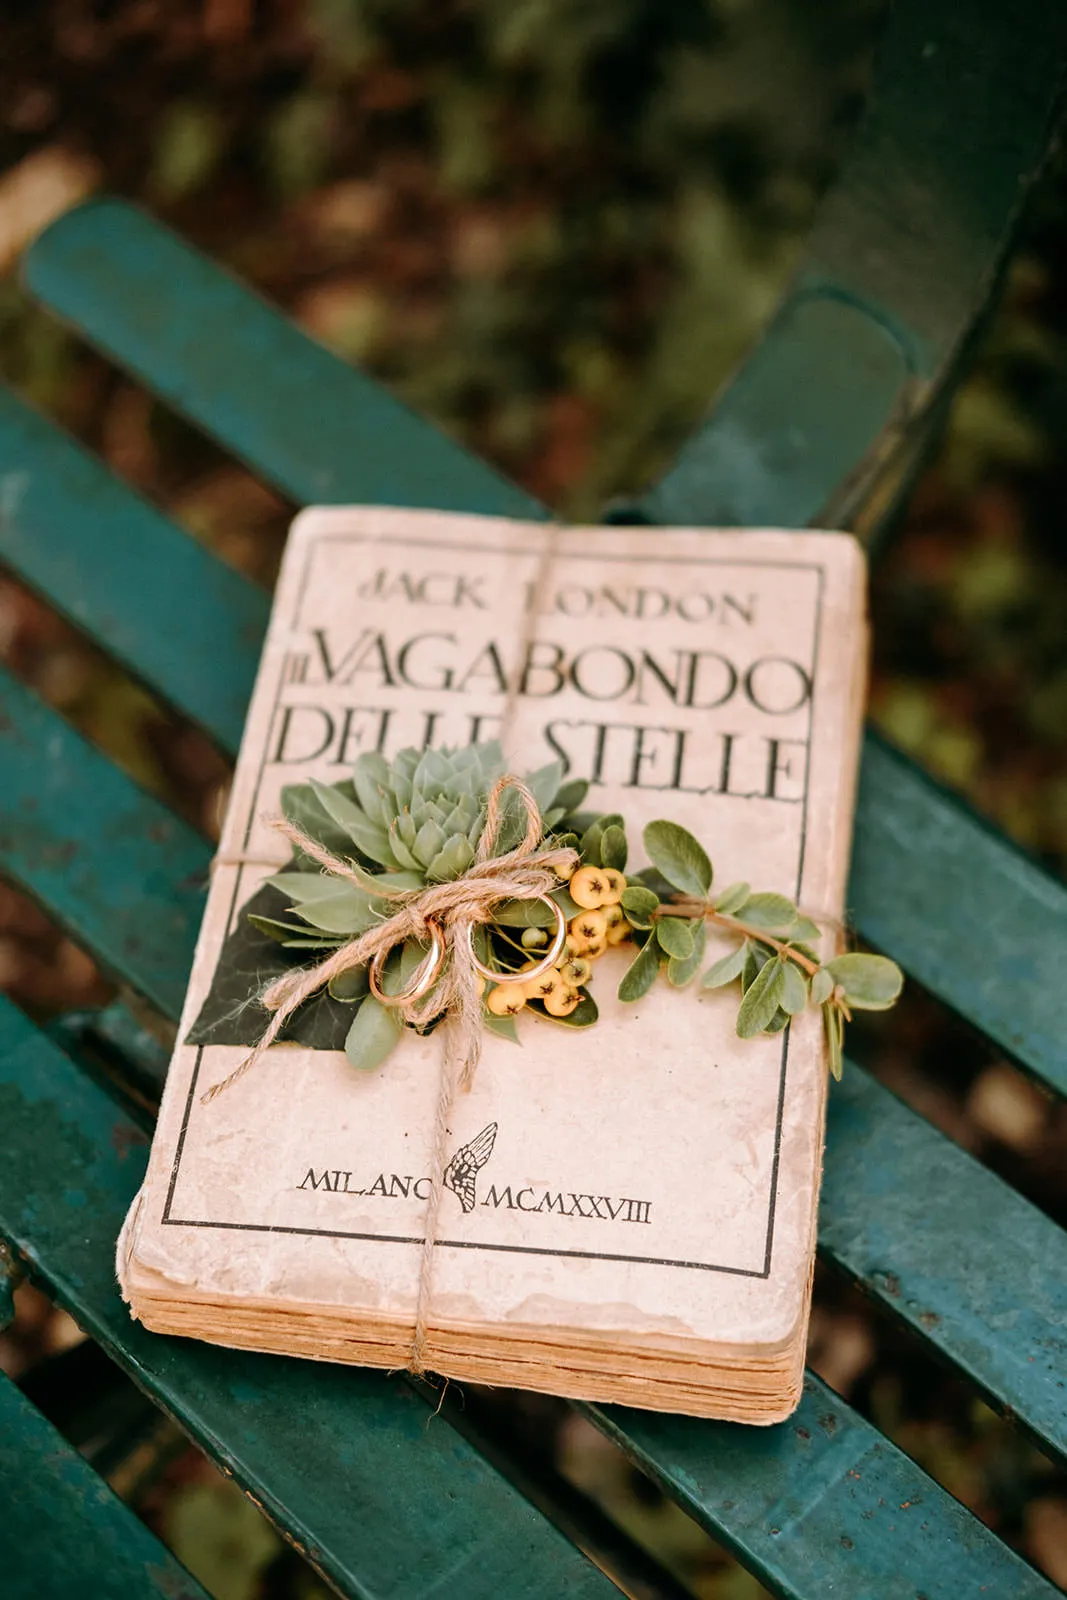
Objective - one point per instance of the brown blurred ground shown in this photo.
(554, 229)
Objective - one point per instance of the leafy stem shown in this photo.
(691, 908)
(778, 971)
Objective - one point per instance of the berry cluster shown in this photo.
(599, 921)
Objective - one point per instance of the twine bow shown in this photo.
(524, 873)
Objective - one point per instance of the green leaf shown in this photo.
(431, 771)
(761, 1000)
(805, 950)
(725, 970)
(675, 936)
(571, 794)
(375, 882)
(591, 843)
(367, 836)
(524, 914)
(822, 985)
(794, 989)
(613, 848)
(802, 928)
(640, 975)
(452, 860)
(584, 1014)
(834, 1035)
(405, 855)
(370, 777)
(248, 961)
(300, 807)
(462, 817)
(349, 911)
(430, 841)
(274, 929)
(401, 768)
(777, 1022)
(680, 972)
(544, 784)
(307, 887)
(374, 1034)
(756, 957)
(639, 904)
(771, 911)
(871, 983)
(731, 898)
(504, 1027)
(682, 859)
(349, 986)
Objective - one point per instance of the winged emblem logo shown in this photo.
(461, 1174)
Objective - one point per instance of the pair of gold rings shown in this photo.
(429, 969)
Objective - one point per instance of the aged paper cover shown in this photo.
(652, 1181)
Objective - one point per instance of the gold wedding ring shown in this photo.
(422, 979)
(532, 973)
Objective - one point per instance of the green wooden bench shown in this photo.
(851, 375)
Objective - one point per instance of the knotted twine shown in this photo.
(527, 872)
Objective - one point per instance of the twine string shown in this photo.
(526, 872)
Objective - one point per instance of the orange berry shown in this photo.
(544, 987)
(590, 925)
(616, 883)
(563, 1002)
(575, 971)
(506, 1000)
(588, 887)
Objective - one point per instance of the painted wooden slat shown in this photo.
(882, 1219)
(950, 1249)
(347, 1460)
(903, 256)
(63, 1532)
(151, 596)
(112, 863)
(319, 431)
(383, 1501)
(962, 910)
(823, 1505)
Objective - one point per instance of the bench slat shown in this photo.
(158, 602)
(943, 892)
(345, 1459)
(63, 1531)
(823, 1505)
(109, 861)
(319, 432)
(950, 1249)
(96, 262)
(901, 260)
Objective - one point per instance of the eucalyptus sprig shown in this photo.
(779, 972)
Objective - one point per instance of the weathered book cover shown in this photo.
(638, 1218)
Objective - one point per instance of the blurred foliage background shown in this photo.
(555, 229)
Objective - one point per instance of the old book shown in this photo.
(637, 1217)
